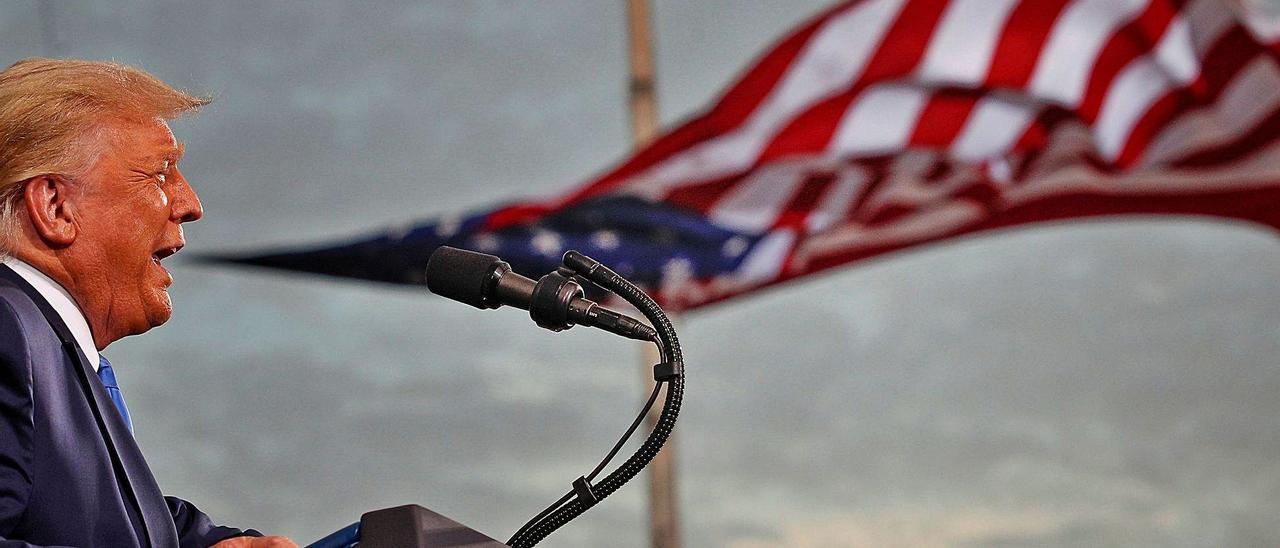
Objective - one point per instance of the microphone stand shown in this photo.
(409, 522)
(669, 372)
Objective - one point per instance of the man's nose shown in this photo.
(186, 205)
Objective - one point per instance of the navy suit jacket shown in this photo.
(70, 471)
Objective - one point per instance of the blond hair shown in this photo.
(50, 110)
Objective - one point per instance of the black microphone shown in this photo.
(554, 302)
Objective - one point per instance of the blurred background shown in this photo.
(1085, 383)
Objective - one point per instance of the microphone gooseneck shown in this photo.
(668, 374)
(555, 301)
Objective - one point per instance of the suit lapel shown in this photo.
(135, 476)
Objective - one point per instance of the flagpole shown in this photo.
(644, 106)
(664, 529)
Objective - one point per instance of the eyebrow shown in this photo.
(172, 155)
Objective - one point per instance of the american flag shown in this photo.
(882, 124)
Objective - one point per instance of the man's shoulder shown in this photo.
(15, 300)
(20, 317)
(26, 338)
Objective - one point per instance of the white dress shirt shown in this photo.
(62, 303)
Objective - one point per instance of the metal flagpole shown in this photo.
(664, 529)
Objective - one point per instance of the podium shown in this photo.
(409, 526)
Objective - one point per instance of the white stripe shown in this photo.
(1172, 64)
(834, 56)
(755, 203)
(849, 181)
(1260, 21)
(1254, 171)
(881, 119)
(992, 129)
(1209, 21)
(999, 170)
(961, 48)
(1176, 53)
(766, 258)
(1136, 88)
(1253, 95)
(909, 229)
(1062, 71)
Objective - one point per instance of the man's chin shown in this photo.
(160, 310)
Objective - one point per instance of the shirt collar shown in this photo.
(62, 303)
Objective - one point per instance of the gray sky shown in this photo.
(1093, 383)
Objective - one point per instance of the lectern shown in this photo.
(409, 526)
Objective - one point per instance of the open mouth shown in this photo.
(164, 253)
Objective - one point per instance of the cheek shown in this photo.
(155, 200)
(161, 198)
(149, 214)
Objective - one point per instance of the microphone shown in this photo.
(554, 302)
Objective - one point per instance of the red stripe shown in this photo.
(1253, 205)
(516, 214)
(1264, 133)
(1222, 63)
(1037, 134)
(877, 170)
(1161, 112)
(1021, 41)
(943, 117)
(701, 196)
(978, 189)
(811, 130)
(904, 45)
(1224, 60)
(740, 100)
(1249, 205)
(899, 53)
(805, 200)
(733, 108)
(1131, 41)
(941, 169)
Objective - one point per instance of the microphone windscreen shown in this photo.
(460, 274)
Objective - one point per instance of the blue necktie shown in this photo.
(108, 378)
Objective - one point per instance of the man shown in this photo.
(91, 203)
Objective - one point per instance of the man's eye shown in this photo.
(163, 174)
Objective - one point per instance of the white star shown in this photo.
(546, 242)
(486, 242)
(734, 246)
(677, 271)
(605, 239)
(448, 226)
(398, 232)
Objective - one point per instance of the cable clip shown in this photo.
(667, 371)
(582, 488)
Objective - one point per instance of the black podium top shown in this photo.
(412, 526)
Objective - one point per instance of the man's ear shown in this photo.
(51, 213)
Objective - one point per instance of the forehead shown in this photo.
(141, 140)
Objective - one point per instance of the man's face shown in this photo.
(129, 210)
